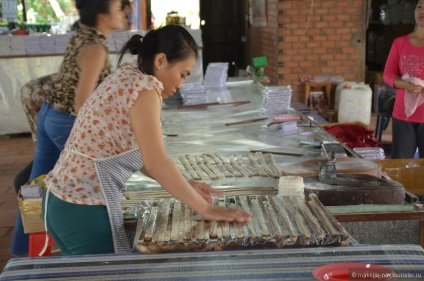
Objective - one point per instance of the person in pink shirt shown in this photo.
(404, 71)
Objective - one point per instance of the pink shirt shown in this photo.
(102, 129)
(404, 58)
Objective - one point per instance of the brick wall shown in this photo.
(262, 41)
(311, 38)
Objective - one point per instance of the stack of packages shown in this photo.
(194, 93)
(31, 191)
(370, 152)
(276, 100)
(30, 205)
(216, 75)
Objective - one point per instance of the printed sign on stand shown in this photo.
(10, 10)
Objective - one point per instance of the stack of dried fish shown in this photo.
(217, 166)
(167, 225)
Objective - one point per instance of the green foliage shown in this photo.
(44, 11)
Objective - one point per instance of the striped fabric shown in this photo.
(271, 264)
(113, 173)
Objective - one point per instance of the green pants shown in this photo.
(78, 229)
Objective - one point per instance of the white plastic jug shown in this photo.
(339, 89)
(355, 104)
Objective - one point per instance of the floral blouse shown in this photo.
(102, 129)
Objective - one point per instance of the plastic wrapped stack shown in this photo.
(370, 152)
(216, 75)
(276, 100)
(288, 128)
(31, 191)
(194, 93)
(291, 186)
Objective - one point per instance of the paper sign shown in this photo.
(10, 10)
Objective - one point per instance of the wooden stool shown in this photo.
(36, 244)
(325, 87)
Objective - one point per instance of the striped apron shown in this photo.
(113, 173)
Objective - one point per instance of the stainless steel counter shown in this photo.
(204, 130)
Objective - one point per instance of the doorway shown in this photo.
(223, 33)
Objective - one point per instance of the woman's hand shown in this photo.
(412, 88)
(219, 213)
(205, 190)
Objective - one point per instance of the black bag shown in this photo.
(386, 99)
(388, 104)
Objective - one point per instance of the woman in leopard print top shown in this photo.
(85, 65)
(65, 87)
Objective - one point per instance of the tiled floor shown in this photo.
(15, 152)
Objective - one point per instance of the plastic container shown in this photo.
(338, 90)
(355, 103)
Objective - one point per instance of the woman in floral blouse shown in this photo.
(118, 132)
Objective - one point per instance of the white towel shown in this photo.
(413, 100)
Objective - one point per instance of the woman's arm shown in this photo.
(392, 70)
(91, 62)
(145, 121)
(402, 84)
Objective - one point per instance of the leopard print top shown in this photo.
(63, 89)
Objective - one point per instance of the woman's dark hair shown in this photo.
(125, 3)
(172, 40)
(89, 9)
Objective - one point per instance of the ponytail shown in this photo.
(132, 46)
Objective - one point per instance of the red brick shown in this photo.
(344, 17)
(313, 44)
(312, 57)
(291, 64)
(313, 70)
(327, 4)
(328, 70)
(341, 69)
(334, 63)
(320, 51)
(328, 44)
(344, 31)
(327, 57)
(342, 4)
(321, 25)
(312, 31)
(320, 38)
(322, 11)
(352, 11)
(340, 56)
(358, 4)
(305, 64)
